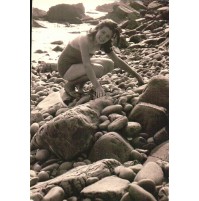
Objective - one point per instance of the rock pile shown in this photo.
(113, 148)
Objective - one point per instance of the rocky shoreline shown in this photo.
(113, 148)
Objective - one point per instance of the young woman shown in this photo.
(77, 66)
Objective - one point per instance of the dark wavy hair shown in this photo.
(113, 26)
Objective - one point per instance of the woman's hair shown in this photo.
(112, 26)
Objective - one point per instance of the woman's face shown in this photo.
(103, 35)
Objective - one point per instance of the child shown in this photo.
(77, 66)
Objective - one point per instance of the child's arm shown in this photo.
(119, 63)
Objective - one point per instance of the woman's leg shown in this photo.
(76, 74)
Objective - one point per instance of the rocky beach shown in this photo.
(113, 148)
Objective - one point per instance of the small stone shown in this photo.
(135, 155)
(152, 171)
(34, 128)
(139, 194)
(43, 176)
(136, 168)
(42, 155)
(55, 194)
(73, 198)
(126, 197)
(33, 181)
(127, 173)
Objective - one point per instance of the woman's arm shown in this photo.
(84, 48)
(119, 63)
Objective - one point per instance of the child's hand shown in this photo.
(99, 92)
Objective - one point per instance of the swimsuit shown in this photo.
(68, 57)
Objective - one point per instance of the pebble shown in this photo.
(34, 128)
(42, 154)
(148, 185)
(126, 173)
(139, 194)
(43, 176)
(33, 181)
(151, 170)
(54, 194)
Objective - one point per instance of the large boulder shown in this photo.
(109, 188)
(71, 132)
(151, 170)
(75, 179)
(121, 12)
(151, 117)
(50, 101)
(137, 5)
(38, 14)
(111, 145)
(157, 92)
(161, 152)
(66, 13)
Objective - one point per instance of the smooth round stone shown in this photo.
(139, 142)
(127, 173)
(136, 168)
(97, 135)
(135, 155)
(42, 155)
(36, 197)
(34, 128)
(148, 185)
(73, 198)
(151, 170)
(66, 166)
(87, 161)
(39, 88)
(132, 129)
(139, 194)
(37, 167)
(51, 167)
(127, 107)
(33, 173)
(126, 197)
(33, 181)
(54, 194)
(43, 176)
(86, 199)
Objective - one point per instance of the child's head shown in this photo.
(110, 27)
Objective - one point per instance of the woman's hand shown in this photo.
(99, 92)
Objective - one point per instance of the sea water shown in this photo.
(41, 38)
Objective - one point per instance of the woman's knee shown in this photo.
(108, 66)
(99, 70)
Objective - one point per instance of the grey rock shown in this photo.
(161, 152)
(74, 180)
(156, 92)
(109, 188)
(70, 133)
(150, 170)
(151, 117)
(111, 145)
(66, 13)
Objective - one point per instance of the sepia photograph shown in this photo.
(99, 100)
